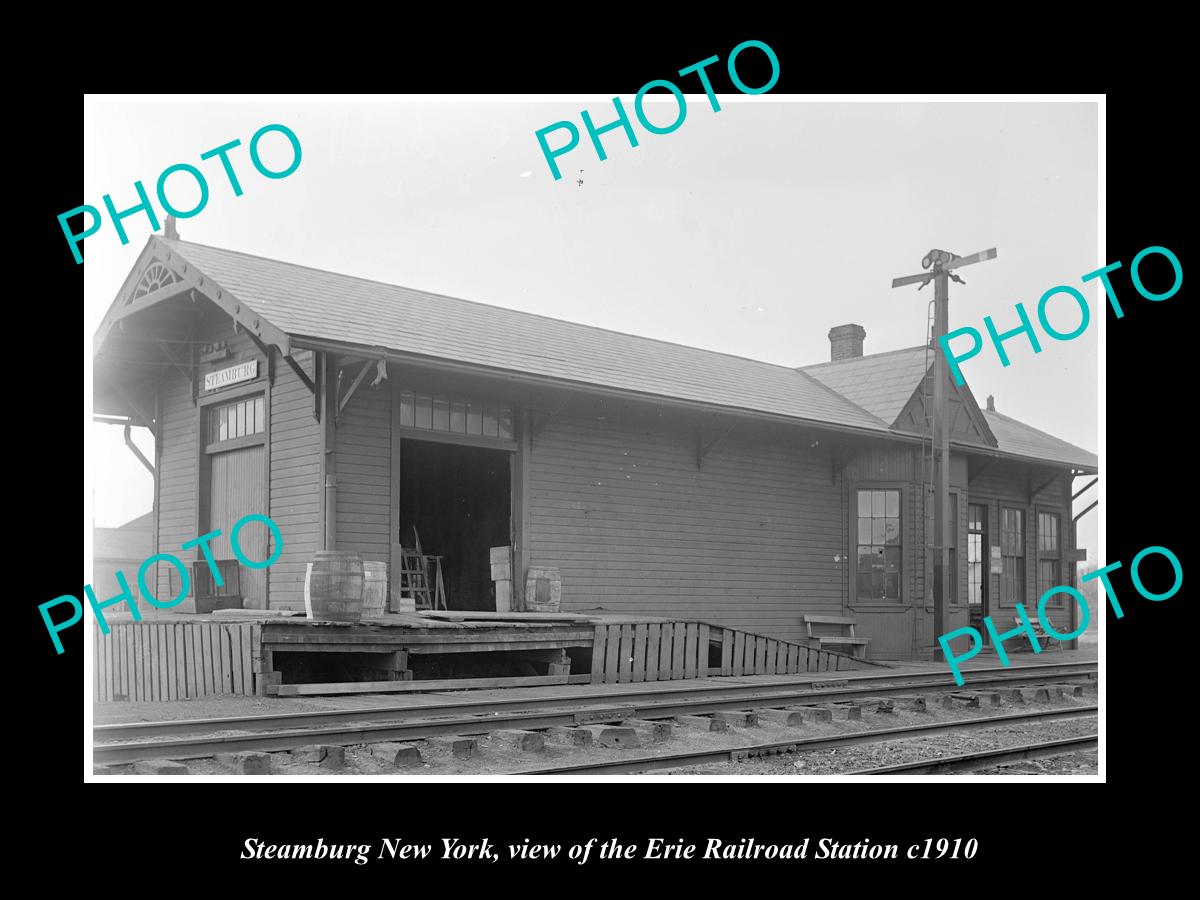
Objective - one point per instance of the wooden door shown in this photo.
(237, 490)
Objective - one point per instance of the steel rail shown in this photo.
(704, 757)
(967, 761)
(684, 699)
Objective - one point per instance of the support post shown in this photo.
(329, 456)
(941, 403)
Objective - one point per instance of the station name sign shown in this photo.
(246, 371)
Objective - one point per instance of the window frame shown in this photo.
(1023, 587)
(1058, 600)
(985, 563)
(875, 603)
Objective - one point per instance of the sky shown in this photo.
(752, 230)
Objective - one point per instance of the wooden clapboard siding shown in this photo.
(177, 476)
(295, 490)
(748, 540)
(364, 470)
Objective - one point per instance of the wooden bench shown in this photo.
(845, 634)
(1044, 639)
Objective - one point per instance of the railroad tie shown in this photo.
(576, 737)
(519, 739)
(702, 723)
(737, 718)
(813, 713)
(400, 756)
(655, 732)
(327, 756)
(454, 744)
(618, 736)
(789, 717)
(914, 702)
(245, 763)
(160, 767)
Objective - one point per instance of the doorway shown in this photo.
(458, 498)
(236, 486)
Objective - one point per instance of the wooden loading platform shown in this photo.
(255, 653)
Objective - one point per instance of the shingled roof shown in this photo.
(314, 303)
(862, 394)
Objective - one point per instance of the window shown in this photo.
(455, 415)
(1012, 555)
(237, 419)
(878, 573)
(977, 555)
(1049, 556)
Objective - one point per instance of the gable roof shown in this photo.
(881, 383)
(863, 394)
(313, 303)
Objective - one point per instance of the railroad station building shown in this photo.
(658, 479)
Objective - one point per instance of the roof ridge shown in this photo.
(507, 309)
(834, 362)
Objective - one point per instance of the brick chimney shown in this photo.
(846, 342)
(170, 232)
(991, 403)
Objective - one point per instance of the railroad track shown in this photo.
(774, 748)
(966, 762)
(125, 743)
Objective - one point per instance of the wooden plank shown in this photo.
(679, 644)
(395, 687)
(123, 660)
(226, 684)
(166, 639)
(408, 637)
(612, 654)
(139, 664)
(151, 646)
(772, 652)
(702, 640)
(177, 629)
(652, 644)
(791, 658)
(726, 651)
(689, 651)
(479, 647)
(626, 670)
(234, 633)
(190, 655)
(206, 659)
(97, 666)
(598, 647)
(639, 652)
(254, 659)
(739, 651)
(664, 652)
(760, 656)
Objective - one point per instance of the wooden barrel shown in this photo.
(333, 586)
(375, 589)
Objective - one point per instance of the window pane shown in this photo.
(241, 419)
(441, 413)
(458, 415)
(892, 587)
(864, 503)
(864, 586)
(877, 504)
(866, 559)
(892, 504)
(407, 403)
(891, 531)
(424, 411)
(474, 417)
(864, 531)
(224, 423)
(505, 422)
(877, 530)
(490, 427)
(891, 559)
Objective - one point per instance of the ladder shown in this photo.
(414, 578)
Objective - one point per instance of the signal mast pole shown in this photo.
(941, 264)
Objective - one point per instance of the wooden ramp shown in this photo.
(669, 651)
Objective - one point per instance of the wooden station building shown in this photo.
(661, 480)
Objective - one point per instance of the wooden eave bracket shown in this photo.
(381, 373)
